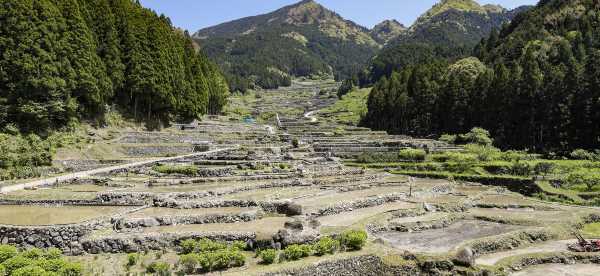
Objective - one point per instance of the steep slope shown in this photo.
(450, 29)
(387, 30)
(535, 85)
(303, 39)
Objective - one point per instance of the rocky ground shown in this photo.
(282, 180)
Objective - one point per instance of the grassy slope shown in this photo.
(349, 109)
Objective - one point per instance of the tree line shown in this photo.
(66, 60)
(535, 85)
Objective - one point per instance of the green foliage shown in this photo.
(159, 268)
(188, 246)
(580, 154)
(544, 168)
(353, 239)
(484, 153)
(189, 263)
(173, 169)
(326, 246)
(206, 245)
(7, 252)
(477, 136)
(268, 256)
(132, 259)
(30, 270)
(589, 179)
(412, 155)
(448, 138)
(74, 58)
(295, 143)
(214, 260)
(239, 245)
(36, 262)
(296, 252)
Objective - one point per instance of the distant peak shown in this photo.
(460, 5)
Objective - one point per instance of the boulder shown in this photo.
(465, 257)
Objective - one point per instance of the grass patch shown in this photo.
(592, 230)
(350, 109)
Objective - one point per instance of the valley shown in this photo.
(274, 172)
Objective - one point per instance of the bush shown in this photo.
(30, 270)
(483, 153)
(7, 252)
(2, 270)
(296, 252)
(132, 259)
(353, 239)
(222, 259)
(71, 269)
(295, 143)
(268, 256)
(326, 246)
(188, 246)
(34, 253)
(159, 268)
(53, 253)
(169, 169)
(239, 245)
(521, 169)
(450, 139)
(189, 263)
(412, 155)
(584, 177)
(206, 245)
(581, 154)
(477, 136)
(53, 265)
(544, 168)
(15, 263)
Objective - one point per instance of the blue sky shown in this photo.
(196, 14)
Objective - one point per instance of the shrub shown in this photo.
(222, 259)
(53, 253)
(30, 270)
(33, 253)
(412, 154)
(584, 177)
(580, 154)
(268, 256)
(15, 263)
(53, 265)
(189, 263)
(132, 259)
(188, 246)
(2, 270)
(483, 153)
(326, 246)
(159, 268)
(296, 252)
(520, 169)
(71, 269)
(7, 252)
(169, 169)
(206, 245)
(295, 143)
(544, 168)
(450, 139)
(353, 239)
(477, 136)
(239, 245)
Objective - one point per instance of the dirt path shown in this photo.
(310, 115)
(551, 246)
(67, 177)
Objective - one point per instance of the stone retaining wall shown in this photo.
(121, 223)
(64, 237)
(359, 204)
(355, 266)
(130, 243)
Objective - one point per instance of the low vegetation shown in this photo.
(33, 262)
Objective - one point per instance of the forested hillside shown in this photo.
(535, 85)
(66, 60)
(449, 30)
(302, 40)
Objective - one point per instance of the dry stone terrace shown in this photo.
(250, 192)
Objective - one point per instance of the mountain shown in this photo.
(535, 85)
(304, 39)
(387, 30)
(450, 29)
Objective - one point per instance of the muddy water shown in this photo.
(561, 269)
(42, 215)
(447, 239)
